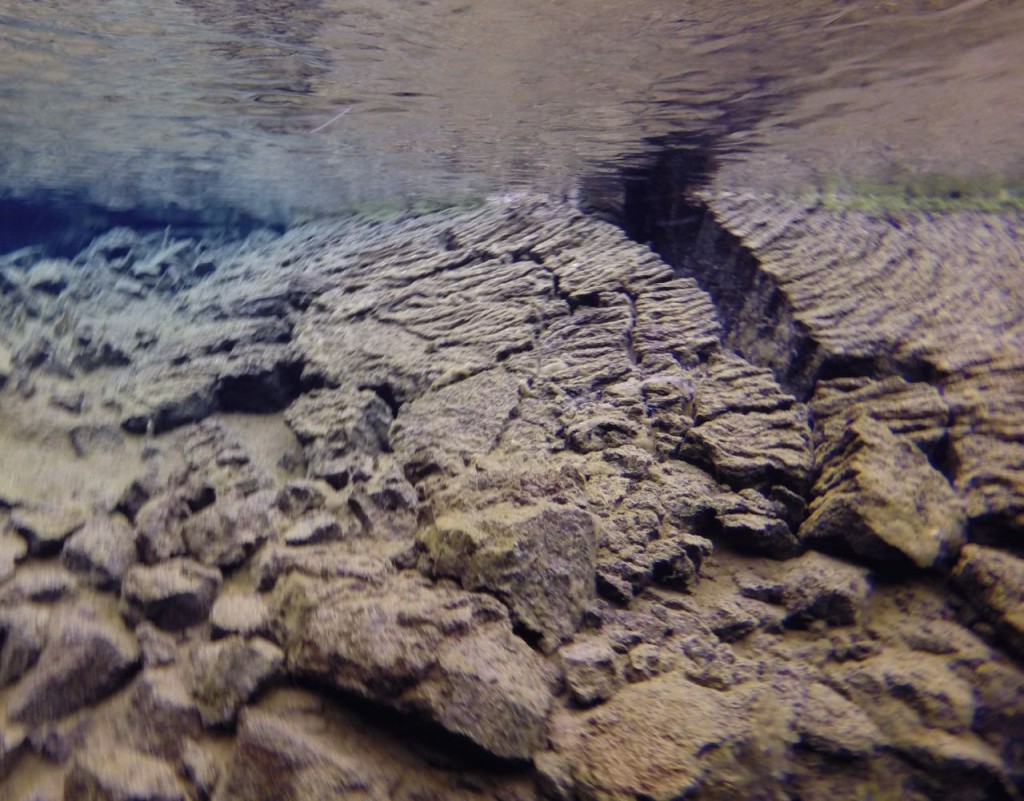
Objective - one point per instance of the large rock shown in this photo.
(102, 550)
(122, 774)
(174, 594)
(84, 660)
(879, 497)
(441, 653)
(993, 581)
(539, 559)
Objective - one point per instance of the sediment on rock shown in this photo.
(504, 507)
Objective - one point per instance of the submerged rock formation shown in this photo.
(486, 504)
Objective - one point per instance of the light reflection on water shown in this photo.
(192, 103)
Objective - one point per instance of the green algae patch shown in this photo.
(928, 192)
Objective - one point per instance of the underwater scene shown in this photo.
(493, 401)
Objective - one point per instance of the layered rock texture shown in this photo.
(490, 504)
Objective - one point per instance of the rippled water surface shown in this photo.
(281, 109)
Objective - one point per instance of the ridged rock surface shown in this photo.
(479, 505)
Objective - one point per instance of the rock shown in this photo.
(591, 671)
(200, 768)
(226, 533)
(754, 523)
(880, 498)
(158, 523)
(23, 633)
(748, 429)
(162, 715)
(6, 365)
(121, 774)
(46, 527)
(297, 498)
(12, 550)
(227, 673)
(828, 723)
(320, 561)
(242, 613)
(174, 595)
(665, 738)
(168, 399)
(313, 529)
(813, 588)
(49, 276)
(102, 550)
(40, 582)
(444, 654)
(84, 659)
(993, 582)
(158, 647)
(539, 559)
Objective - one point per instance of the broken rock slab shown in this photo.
(993, 582)
(433, 651)
(539, 559)
(879, 497)
(85, 658)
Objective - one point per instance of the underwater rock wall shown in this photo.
(484, 504)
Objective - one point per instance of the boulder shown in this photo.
(225, 674)
(444, 654)
(121, 774)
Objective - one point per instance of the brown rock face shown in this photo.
(496, 505)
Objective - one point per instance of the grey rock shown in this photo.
(242, 613)
(322, 561)
(158, 524)
(84, 660)
(225, 534)
(46, 527)
(442, 653)
(6, 365)
(879, 497)
(591, 671)
(993, 582)
(829, 723)
(121, 774)
(313, 529)
(540, 559)
(23, 633)
(225, 674)
(162, 715)
(102, 550)
(40, 582)
(174, 595)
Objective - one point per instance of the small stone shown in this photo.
(174, 594)
(102, 550)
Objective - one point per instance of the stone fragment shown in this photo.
(42, 582)
(754, 523)
(12, 550)
(102, 550)
(174, 594)
(225, 674)
(109, 773)
(539, 559)
(441, 653)
(591, 671)
(993, 582)
(158, 523)
(879, 497)
(84, 660)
